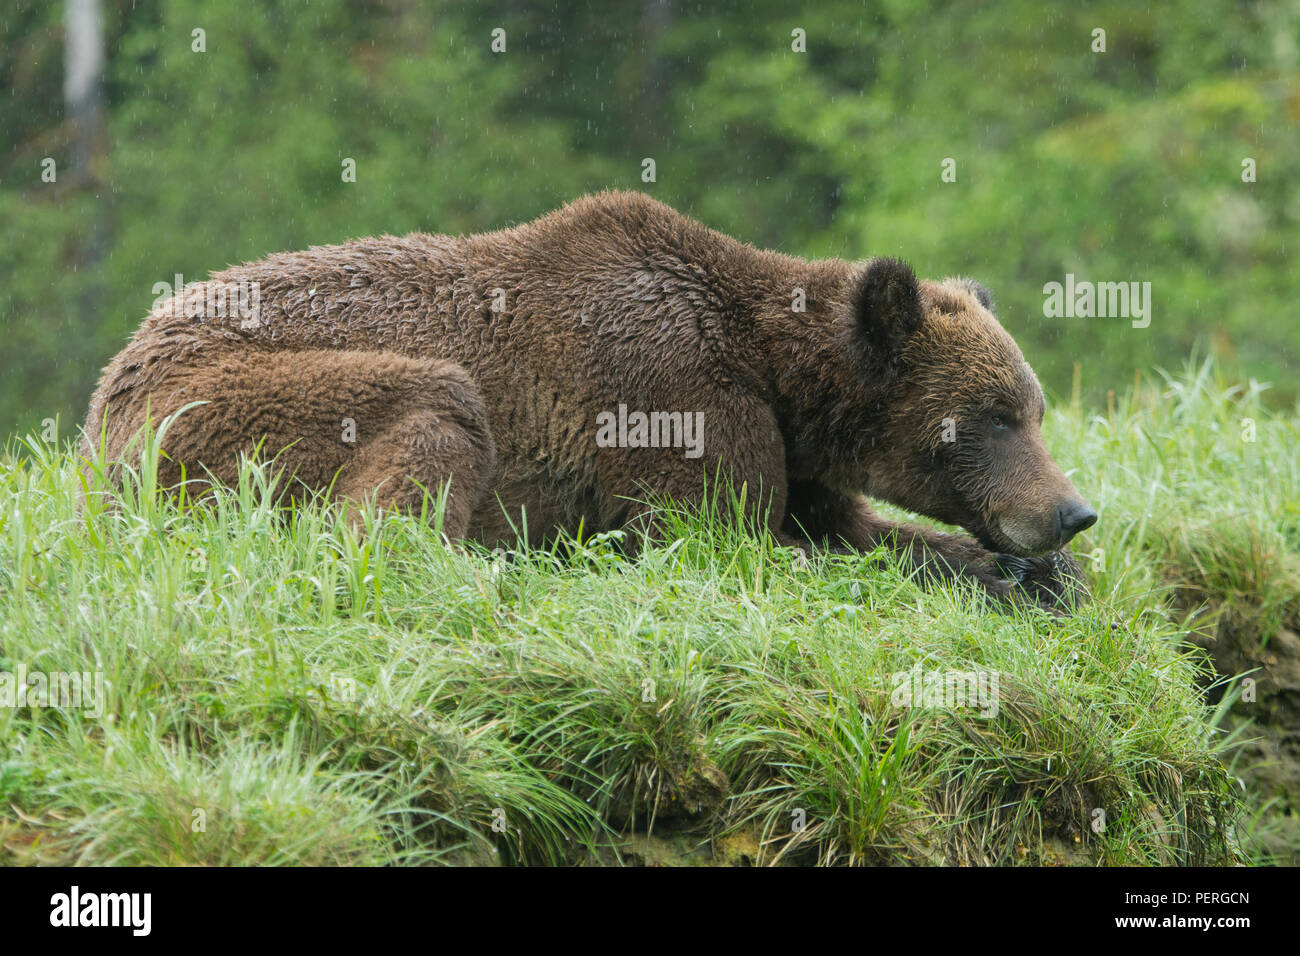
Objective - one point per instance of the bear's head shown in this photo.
(960, 437)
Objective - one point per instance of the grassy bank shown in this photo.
(278, 690)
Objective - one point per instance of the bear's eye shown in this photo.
(999, 422)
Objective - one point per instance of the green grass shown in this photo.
(279, 689)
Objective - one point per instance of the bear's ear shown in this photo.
(886, 307)
(981, 294)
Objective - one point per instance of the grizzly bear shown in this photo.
(569, 372)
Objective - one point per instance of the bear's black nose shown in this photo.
(1073, 518)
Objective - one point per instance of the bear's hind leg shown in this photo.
(411, 427)
(429, 447)
(364, 424)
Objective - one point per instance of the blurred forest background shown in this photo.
(1118, 165)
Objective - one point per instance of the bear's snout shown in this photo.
(1071, 518)
(1048, 530)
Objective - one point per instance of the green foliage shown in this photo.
(1123, 165)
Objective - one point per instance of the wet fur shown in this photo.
(612, 299)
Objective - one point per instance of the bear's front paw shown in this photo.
(1053, 581)
(1013, 567)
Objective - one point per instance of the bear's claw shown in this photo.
(1053, 581)
(1013, 567)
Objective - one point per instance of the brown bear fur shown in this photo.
(883, 385)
